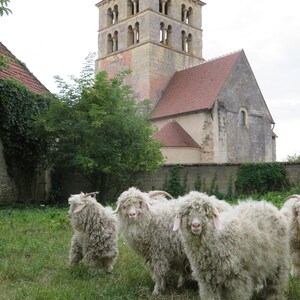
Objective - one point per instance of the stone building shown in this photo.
(205, 111)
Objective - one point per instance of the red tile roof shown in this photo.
(20, 72)
(195, 88)
(173, 135)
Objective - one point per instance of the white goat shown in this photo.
(234, 252)
(291, 209)
(146, 226)
(95, 232)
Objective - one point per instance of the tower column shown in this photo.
(114, 16)
(135, 35)
(163, 6)
(185, 15)
(134, 6)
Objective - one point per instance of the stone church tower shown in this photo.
(152, 38)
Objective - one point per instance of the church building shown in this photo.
(205, 111)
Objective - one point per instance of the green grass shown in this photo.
(34, 248)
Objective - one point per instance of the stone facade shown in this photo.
(8, 192)
(156, 51)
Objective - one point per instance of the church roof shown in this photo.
(173, 135)
(20, 72)
(195, 88)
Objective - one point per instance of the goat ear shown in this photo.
(149, 206)
(177, 223)
(298, 215)
(79, 208)
(217, 223)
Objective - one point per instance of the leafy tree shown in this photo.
(96, 128)
(3, 7)
(293, 158)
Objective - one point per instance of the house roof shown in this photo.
(195, 88)
(173, 135)
(20, 72)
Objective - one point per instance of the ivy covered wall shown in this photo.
(22, 151)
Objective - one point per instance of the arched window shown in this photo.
(109, 44)
(136, 31)
(130, 36)
(115, 41)
(133, 7)
(189, 44)
(184, 41)
(133, 34)
(162, 33)
(130, 8)
(189, 14)
(115, 14)
(164, 6)
(183, 13)
(169, 36)
(109, 17)
(243, 117)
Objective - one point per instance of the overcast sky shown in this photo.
(54, 38)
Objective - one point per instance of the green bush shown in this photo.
(173, 183)
(260, 178)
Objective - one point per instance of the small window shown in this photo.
(243, 117)
(130, 37)
(115, 14)
(109, 17)
(109, 44)
(137, 33)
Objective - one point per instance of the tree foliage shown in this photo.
(293, 158)
(4, 7)
(96, 128)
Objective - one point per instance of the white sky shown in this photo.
(54, 38)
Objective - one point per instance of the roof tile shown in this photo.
(20, 72)
(173, 135)
(195, 88)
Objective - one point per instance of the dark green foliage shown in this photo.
(198, 183)
(260, 178)
(18, 108)
(22, 149)
(173, 184)
(230, 187)
(97, 129)
(214, 186)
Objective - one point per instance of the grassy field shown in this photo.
(34, 247)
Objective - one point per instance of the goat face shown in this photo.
(134, 208)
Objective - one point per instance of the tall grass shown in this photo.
(34, 248)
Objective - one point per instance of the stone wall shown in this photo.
(8, 192)
(217, 175)
(221, 176)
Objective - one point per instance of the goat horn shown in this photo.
(155, 193)
(90, 194)
(292, 196)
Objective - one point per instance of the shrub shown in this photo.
(260, 178)
(173, 183)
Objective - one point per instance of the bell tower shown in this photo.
(152, 38)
